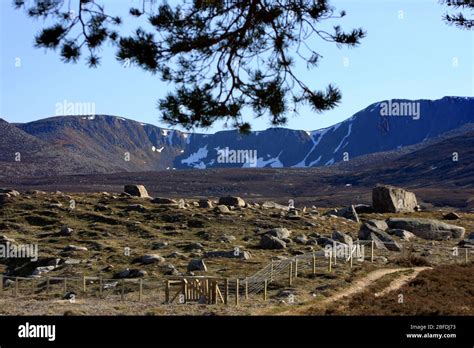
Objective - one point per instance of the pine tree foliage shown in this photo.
(221, 56)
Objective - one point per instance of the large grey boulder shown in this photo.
(430, 229)
(380, 224)
(271, 242)
(136, 191)
(391, 199)
(152, 258)
(232, 201)
(369, 232)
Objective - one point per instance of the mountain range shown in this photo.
(107, 144)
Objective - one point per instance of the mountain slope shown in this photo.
(110, 144)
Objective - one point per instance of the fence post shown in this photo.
(226, 291)
(467, 252)
(296, 268)
(372, 251)
(237, 292)
(271, 272)
(330, 261)
(290, 279)
(314, 263)
(351, 254)
(265, 290)
(84, 288)
(246, 288)
(334, 252)
(140, 290)
(123, 290)
(167, 292)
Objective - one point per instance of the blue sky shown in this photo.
(409, 52)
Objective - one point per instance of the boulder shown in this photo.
(391, 199)
(42, 270)
(430, 229)
(273, 205)
(231, 254)
(323, 241)
(222, 209)
(136, 207)
(380, 224)
(205, 203)
(301, 239)
(159, 245)
(271, 242)
(193, 246)
(347, 212)
(131, 273)
(466, 243)
(226, 238)
(451, 216)
(342, 237)
(136, 191)
(66, 231)
(152, 258)
(281, 233)
(171, 270)
(232, 201)
(162, 200)
(11, 192)
(75, 248)
(403, 234)
(363, 209)
(369, 232)
(197, 265)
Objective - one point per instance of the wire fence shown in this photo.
(333, 257)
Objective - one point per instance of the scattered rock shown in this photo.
(195, 223)
(301, 239)
(451, 216)
(281, 233)
(43, 270)
(232, 201)
(159, 245)
(194, 246)
(136, 191)
(136, 207)
(363, 209)
(403, 234)
(197, 265)
(66, 231)
(391, 199)
(348, 213)
(72, 261)
(271, 242)
(342, 237)
(430, 229)
(176, 255)
(11, 192)
(232, 254)
(226, 238)
(152, 258)
(380, 224)
(205, 203)
(273, 205)
(171, 270)
(130, 273)
(222, 209)
(164, 201)
(466, 243)
(75, 248)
